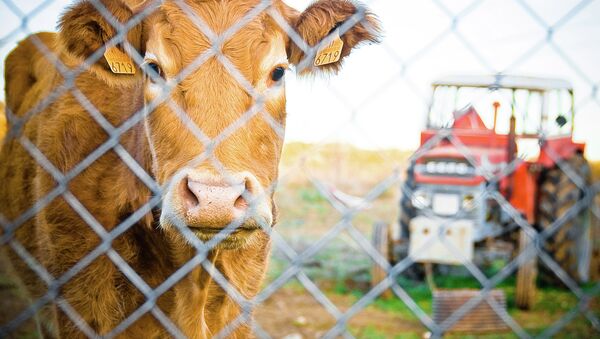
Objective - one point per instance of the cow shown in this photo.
(209, 137)
(2, 122)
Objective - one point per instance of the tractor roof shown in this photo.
(504, 81)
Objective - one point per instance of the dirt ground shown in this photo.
(290, 312)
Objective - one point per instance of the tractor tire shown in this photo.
(381, 242)
(526, 277)
(570, 245)
(407, 212)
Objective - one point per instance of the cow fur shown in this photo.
(3, 122)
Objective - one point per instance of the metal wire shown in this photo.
(295, 259)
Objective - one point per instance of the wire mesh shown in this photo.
(542, 238)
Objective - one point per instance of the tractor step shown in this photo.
(481, 318)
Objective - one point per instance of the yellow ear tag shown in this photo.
(119, 62)
(331, 53)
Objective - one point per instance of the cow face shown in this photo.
(216, 100)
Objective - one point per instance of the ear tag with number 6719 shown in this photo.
(119, 62)
(331, 53)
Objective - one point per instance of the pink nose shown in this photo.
(211, 202)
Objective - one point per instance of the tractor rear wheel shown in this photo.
(526, 277)
(570, 244)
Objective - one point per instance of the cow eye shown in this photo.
(277, 73)
(154, 69)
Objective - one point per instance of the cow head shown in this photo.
(216, 140)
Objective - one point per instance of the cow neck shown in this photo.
(136, 144)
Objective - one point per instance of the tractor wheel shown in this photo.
(526, 277)
(570, 245)
(381, 242)
(407, 213)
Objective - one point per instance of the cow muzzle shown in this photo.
(207, 203)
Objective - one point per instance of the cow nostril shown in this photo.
(189, 197)
(241, 202)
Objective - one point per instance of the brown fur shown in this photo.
(3, 122)
(58, 237)
(320, 18)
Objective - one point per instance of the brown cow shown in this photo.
(2, 122)
(208, 185)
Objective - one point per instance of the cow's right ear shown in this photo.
(85, 29)
(320, 21)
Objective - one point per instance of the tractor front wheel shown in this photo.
(526, 276)
(381, 242)
(407, 213)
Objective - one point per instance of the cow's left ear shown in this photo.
(324, 19)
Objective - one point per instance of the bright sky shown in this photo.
(380, 98)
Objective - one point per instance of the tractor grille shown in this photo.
(481, 318)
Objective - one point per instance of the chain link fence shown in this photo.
(389, 254)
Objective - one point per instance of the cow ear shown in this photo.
(86, 28)
(325, 19)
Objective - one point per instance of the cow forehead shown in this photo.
(175, 31)
(218, 15)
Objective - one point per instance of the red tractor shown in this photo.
(497, 154)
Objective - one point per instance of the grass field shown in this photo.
(304, 209)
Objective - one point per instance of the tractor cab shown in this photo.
(541, 109)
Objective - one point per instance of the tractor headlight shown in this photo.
(469, 202)
(462, 168)
(421, 199)
(431, 167)
(446, 168)
(451, 167)
(440, 167)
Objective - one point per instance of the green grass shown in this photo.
(370, 332)
(419, 292)
(311, 195)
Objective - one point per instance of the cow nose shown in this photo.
(210, 202)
